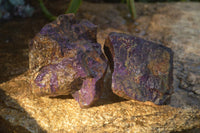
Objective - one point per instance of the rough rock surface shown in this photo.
(175, 25)
(66, 59)
(37, 114)
(142, 70)
(180, 31)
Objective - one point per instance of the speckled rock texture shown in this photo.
(142, 70)
(60, 115)
(65, 59)
(175, 25)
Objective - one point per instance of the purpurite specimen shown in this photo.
(142, 70)
(65, 59)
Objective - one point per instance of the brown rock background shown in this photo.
(176, 25)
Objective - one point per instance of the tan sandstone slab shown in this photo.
(40, 114)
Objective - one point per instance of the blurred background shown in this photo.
(26, 8)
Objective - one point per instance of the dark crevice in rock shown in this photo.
(107, 95)
(76, 84)
(110, 58)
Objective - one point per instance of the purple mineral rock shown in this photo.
(65, 58)
(142, 70)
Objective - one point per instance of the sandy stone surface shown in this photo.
(176, 25)
(40, 114)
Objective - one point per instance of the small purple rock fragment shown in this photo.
(65, 58)
(142, 70)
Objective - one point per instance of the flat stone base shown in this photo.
(38, 114)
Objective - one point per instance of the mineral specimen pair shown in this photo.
(65, 58)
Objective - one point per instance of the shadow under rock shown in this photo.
(62, 97)
(194, 130)
(110, 99)
(107, 96)
(12, 111)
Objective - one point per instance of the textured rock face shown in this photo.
(142, 70)
(65, 59)
(56, 115)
